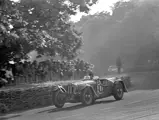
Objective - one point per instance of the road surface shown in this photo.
(141, 103)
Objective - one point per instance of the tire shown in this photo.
(59, 99)
(87, 96)
(118, 91)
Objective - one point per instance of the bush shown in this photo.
(3, 108)
(20, 99)
(37, 95)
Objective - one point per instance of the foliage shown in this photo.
(3, 108)
(62, 69)
(131, 31)
(31, 97)
(28, 96)
(10, 31)
(41, 25)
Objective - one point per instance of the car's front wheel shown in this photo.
(87, 96)
(118, 91)
(59, 99)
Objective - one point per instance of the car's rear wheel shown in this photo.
(118, 91)
(87, 96)
(59, 99)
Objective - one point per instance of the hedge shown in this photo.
(38, 95)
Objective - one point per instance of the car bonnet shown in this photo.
(84, 82)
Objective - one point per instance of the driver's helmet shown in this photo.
(91, 75)
(87, 77)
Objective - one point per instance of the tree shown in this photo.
(41, 25)
(130, 32)
(11, 38)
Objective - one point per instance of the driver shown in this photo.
(91, 75)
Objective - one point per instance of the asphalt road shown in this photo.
(140, 103)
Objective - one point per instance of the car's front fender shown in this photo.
(82, 87)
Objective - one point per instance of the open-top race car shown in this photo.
(88, 90)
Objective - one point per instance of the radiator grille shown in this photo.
(71, 89)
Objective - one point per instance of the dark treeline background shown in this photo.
(130, 31)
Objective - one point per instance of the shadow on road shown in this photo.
(79, 106)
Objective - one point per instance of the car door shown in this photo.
(104, 87)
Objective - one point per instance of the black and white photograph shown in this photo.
(79, 59)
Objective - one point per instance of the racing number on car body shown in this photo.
(99, 88)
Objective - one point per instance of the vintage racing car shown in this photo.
(88, 90)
